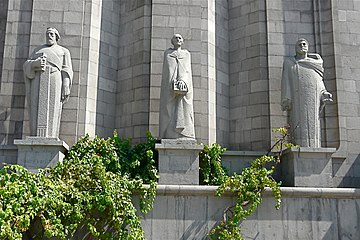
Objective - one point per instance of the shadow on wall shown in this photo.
(105, 90)
(122, 100)
(3, 18)
(305, 218)
(197, 229)
(15, 99)
(3, 118)
(347, 175)
(222, 88)
(11, 122)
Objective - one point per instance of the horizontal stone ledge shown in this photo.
(310, 150)
(40, 141)
(244, 153)
(186, 144)
(8, 147)
(286, 192)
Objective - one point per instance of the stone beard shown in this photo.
(303, 86)
(176, 107)
(58, 66)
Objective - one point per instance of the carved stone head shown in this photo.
(52, 36)
(177, 40)
(301, 46)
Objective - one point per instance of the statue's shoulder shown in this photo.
(168, 51)
(314, 56)
(38, 48)
(289, 60)
(59, 48)
(37, 51)
(184, 54)
(186, 51)
(64, 48)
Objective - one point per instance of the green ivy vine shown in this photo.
(212, 172)
(92, 188)
(248, 187)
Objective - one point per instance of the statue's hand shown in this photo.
(286, 104)
(65, 92)
(326, 97)
(39, 63)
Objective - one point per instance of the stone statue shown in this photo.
(48, 77)
(176, 98)
(303, 95)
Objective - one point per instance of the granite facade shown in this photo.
(222, 72)
(195, 21)
(287, 21)
(188, 212)
(15, 53)
(346, 54)
(108, 69)
(249, 85)
(3, 18)
(237, 48)
(133, 84)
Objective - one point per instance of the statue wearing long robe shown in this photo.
(176, 107)
(302, 93)
(58, 67)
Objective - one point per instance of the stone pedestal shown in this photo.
(179, 161)
(307, 167)
(39, 152)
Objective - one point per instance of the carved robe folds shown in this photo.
(302, 89)
(44, 89)
(176, 100)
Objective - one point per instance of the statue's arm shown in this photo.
(186, 83)
(325, 96)
(31, 66)
(36, 62)
(285, 88)
(29, 71)
(67, 75)
(65, 93)
(315, 56)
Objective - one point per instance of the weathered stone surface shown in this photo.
(176, 97)
(179, 161)
(235, 161)
(38, 152)
(307, 167)
(237, 50)
(8, 154)
(48, 76)
(303, 95)
(189, 212)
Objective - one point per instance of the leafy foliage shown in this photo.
(249, 186)
(93, 188)
(211, 170)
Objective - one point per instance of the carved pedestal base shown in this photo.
(307, 167)
(39, 152)
(179, 161)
